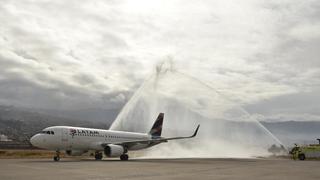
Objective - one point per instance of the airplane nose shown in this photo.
(35, 140)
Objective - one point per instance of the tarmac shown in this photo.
(182, 169)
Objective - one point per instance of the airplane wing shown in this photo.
(152, 141)
(187, 137)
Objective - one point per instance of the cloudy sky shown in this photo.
(61, 54)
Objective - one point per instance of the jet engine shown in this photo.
(75, 152)
(113, 150)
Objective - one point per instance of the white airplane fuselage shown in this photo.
(59, 138)
(79, 140)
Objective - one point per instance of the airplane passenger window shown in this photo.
(48, 132)
(52, 132)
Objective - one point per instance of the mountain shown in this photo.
(290, 132)
(20, 124)
(92, 115)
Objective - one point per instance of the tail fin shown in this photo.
(157, 126)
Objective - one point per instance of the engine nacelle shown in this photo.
(75, 152)
(113, 150)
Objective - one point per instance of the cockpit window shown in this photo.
(47, 132)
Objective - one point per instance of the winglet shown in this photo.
(196, 132)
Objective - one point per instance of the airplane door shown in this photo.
(64, 136)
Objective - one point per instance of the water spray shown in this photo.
(227, 130)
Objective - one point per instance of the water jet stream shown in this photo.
(227, 130)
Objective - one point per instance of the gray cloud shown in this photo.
(95, 54)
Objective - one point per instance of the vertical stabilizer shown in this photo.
(157, 126)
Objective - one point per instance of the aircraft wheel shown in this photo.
(124, 157)
(301, 157)
(98, 156)
(56, 158)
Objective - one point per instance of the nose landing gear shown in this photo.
(57, 156)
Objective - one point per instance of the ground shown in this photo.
(154, 169)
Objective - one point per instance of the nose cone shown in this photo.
(36, 140)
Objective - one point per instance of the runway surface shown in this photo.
(159, 169)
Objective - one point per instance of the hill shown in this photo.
(19, 124)
(290, 132)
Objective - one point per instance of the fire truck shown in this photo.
(311, 151)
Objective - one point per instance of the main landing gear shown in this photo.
(57, 156)
(124, 157)
(98, 155)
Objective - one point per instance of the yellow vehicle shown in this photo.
(306, 152)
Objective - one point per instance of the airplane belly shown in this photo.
(79, 143)
(87, 143)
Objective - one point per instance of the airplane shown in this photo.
(76, 141)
